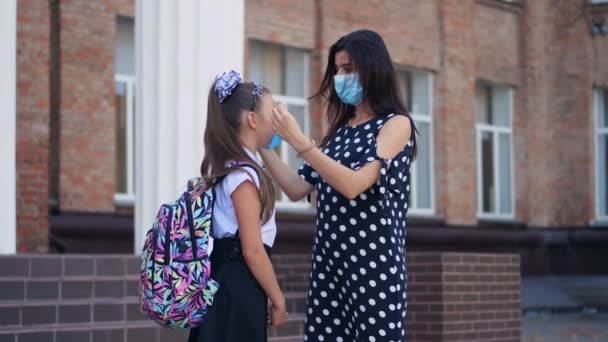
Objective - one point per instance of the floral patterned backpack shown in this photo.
(176, 289)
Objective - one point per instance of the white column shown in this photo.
(180, 47)
(8, 142)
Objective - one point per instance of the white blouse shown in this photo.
(224, 216)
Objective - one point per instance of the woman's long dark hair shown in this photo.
(370, 57)
(222, 143)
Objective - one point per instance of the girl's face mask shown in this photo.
(349, 89)
(274, 142)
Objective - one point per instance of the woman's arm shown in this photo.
(247, 207)
(392, 138)
(292, 185)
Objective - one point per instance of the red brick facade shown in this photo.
(542, 49)
(32, 125)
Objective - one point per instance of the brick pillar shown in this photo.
(32, 125)
(463, 297)
(87, 141)
(557, 61)
(455, 147)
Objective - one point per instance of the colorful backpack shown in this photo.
(176, 289)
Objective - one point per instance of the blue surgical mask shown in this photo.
(275, 142)
(349, 89)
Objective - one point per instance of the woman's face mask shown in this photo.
(349, 89)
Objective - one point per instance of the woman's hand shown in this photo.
(286, 126)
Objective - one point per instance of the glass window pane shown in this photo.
(295, 78)
(504, 165)
(265, 65)
(124, 53)
(420, 93)
(482, 104)
(121, 137)
(501, 106)
(423, 167)
(601, 105)
(405, 89)
(299, 113)
(602, 165)
(487, 172)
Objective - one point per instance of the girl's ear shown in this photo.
(251, 120)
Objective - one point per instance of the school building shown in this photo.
(105, 100)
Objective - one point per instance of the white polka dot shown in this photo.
(353, 258)
(352, 240)
(362, 252)
(362, 271)
(361, 289)
(334, 218)
(372, 302)
(372, 264)
(342, 228)
(372, 246)
(382, 332)
(362, 234)
(343, 246)
(372, 283)
(353, 203)
(353, 222)
(326, 312)
(363, 215)
(382, 314)
(342, 210)
(372, 320)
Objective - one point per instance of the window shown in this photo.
(284, 71)
(494, 151)
(124, 88)
(601, 152)
(416, 89)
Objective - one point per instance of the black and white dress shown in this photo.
(358, 280)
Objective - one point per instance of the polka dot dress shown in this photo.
(357, 289)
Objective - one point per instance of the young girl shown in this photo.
(244, 228)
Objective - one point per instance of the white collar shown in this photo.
(252, 155)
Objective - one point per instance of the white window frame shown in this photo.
(495, 131)
(413, 209)
(128, 198)
(284, 204)
(599, 132)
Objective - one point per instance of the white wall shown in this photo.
(180, 47)
(8, 116)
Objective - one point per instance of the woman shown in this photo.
(357, 286)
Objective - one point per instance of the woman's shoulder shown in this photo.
(395, 133)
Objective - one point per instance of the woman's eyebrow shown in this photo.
(343, 65)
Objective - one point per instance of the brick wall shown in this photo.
(542, 49)
(87, 152)
(452, 297)
(32, 125)
(537, 47)
(463, 297)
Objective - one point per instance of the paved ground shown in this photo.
(565, 327)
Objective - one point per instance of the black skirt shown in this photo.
(239, 311)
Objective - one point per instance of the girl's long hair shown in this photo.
(222, 143)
